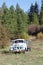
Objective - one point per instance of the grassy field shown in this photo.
(33, 57)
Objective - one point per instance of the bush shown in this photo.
(40, 35)
(24, 36)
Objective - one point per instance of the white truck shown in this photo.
(19, 45)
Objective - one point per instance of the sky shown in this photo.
(24, 4)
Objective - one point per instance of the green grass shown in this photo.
(33, 57)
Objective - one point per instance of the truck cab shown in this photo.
(18, 45)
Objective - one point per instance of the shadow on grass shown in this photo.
(9, 52)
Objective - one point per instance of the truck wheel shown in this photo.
(29, 49)
(26, 49)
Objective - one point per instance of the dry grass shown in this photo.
(33, 57)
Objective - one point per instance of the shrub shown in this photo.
(24, 35)
(40, 35)
(4, 37)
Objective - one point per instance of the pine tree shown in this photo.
(21, 20)
(36, 9)
(5, 13)
(35, 19)
(41, 14)
(13, 20)
(31, 12)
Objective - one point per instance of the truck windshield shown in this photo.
(19, 41)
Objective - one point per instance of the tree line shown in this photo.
(14, 22)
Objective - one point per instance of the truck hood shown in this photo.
(19, 44)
